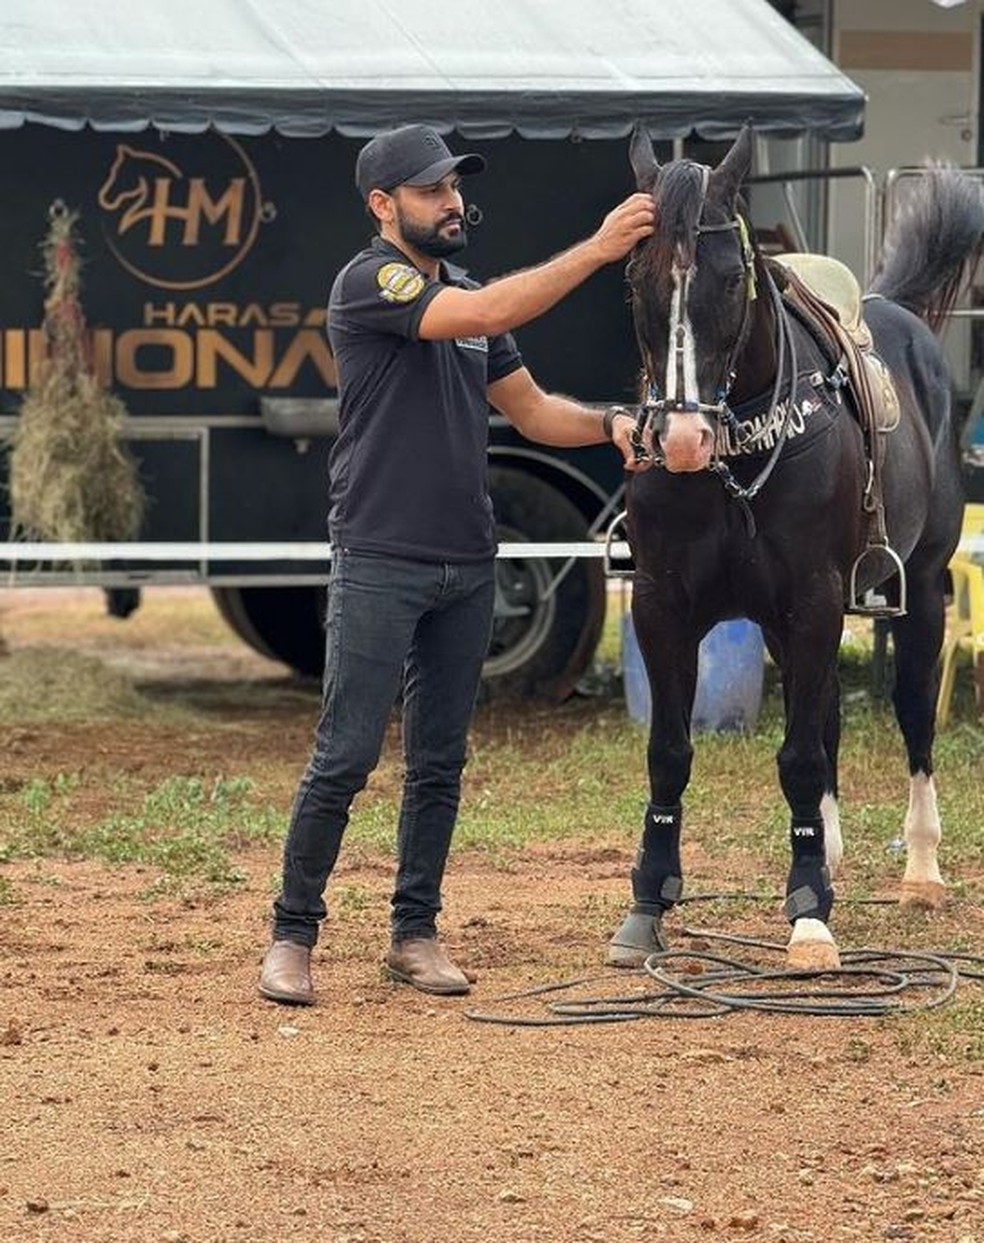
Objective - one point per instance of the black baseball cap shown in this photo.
(413, 155)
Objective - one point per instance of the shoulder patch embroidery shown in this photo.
(399, 282)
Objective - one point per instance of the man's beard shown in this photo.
(430, 241)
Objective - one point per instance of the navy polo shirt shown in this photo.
(408, 472)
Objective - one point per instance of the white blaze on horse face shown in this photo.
(687, 440)
(681, 358)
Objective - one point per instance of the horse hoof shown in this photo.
(922, 895)
(637, 938)
(812, 956)
(811, 947)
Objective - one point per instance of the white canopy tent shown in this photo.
(542, 68)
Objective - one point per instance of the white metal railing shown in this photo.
(12, 553)
(814, 177)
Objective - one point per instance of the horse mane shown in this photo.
(678, 195)
(933, 244)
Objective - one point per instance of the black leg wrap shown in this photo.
(657, 880)
(809, 894)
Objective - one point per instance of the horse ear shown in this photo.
(642, 157)
(725, 180)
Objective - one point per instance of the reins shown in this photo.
(785, 344)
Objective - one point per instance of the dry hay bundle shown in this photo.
(57, 684)
(71, 476)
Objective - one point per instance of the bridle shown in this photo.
(681, 391)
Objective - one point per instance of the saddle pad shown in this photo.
(834, 283)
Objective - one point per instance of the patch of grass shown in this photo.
(351, 899)
(954, 1031)
(580, 772)
(574, 772)
(858, 1050)
(204, 947)
(183, 828)
(8, 897)
(557, 785)
(372, 827)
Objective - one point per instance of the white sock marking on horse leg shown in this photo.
(812, 930)
(833, 843)
(922, 832)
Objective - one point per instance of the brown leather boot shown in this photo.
(286, 974)
(423, 962)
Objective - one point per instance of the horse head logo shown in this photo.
(127, 188)
(181, 225)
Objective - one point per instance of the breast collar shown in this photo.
(817, 391)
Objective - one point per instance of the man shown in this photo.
(421, 352)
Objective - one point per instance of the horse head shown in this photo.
(692, 286)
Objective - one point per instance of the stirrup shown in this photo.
(874, 603)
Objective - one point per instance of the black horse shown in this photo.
(772, 498)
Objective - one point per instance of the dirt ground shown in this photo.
(149, 1094)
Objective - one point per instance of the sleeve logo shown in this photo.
(399, 282)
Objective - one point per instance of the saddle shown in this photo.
(828, 293)
(828, 296)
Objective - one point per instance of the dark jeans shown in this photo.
(390, 622)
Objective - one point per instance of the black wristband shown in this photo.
(607, 419)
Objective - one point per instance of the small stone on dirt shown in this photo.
(705, 1055)
(11, 1034)
(679, 1203)
(744, 1221)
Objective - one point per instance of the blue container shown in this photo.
(730, 669)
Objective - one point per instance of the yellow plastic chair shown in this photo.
(965, 618)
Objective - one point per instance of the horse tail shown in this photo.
(933, 244)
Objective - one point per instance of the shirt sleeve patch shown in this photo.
(399, 282)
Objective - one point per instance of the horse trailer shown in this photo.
(208, 152)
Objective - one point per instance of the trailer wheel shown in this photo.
(549, 613)
(283, 623)
(547, 623)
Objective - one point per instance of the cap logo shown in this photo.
(399, 282)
